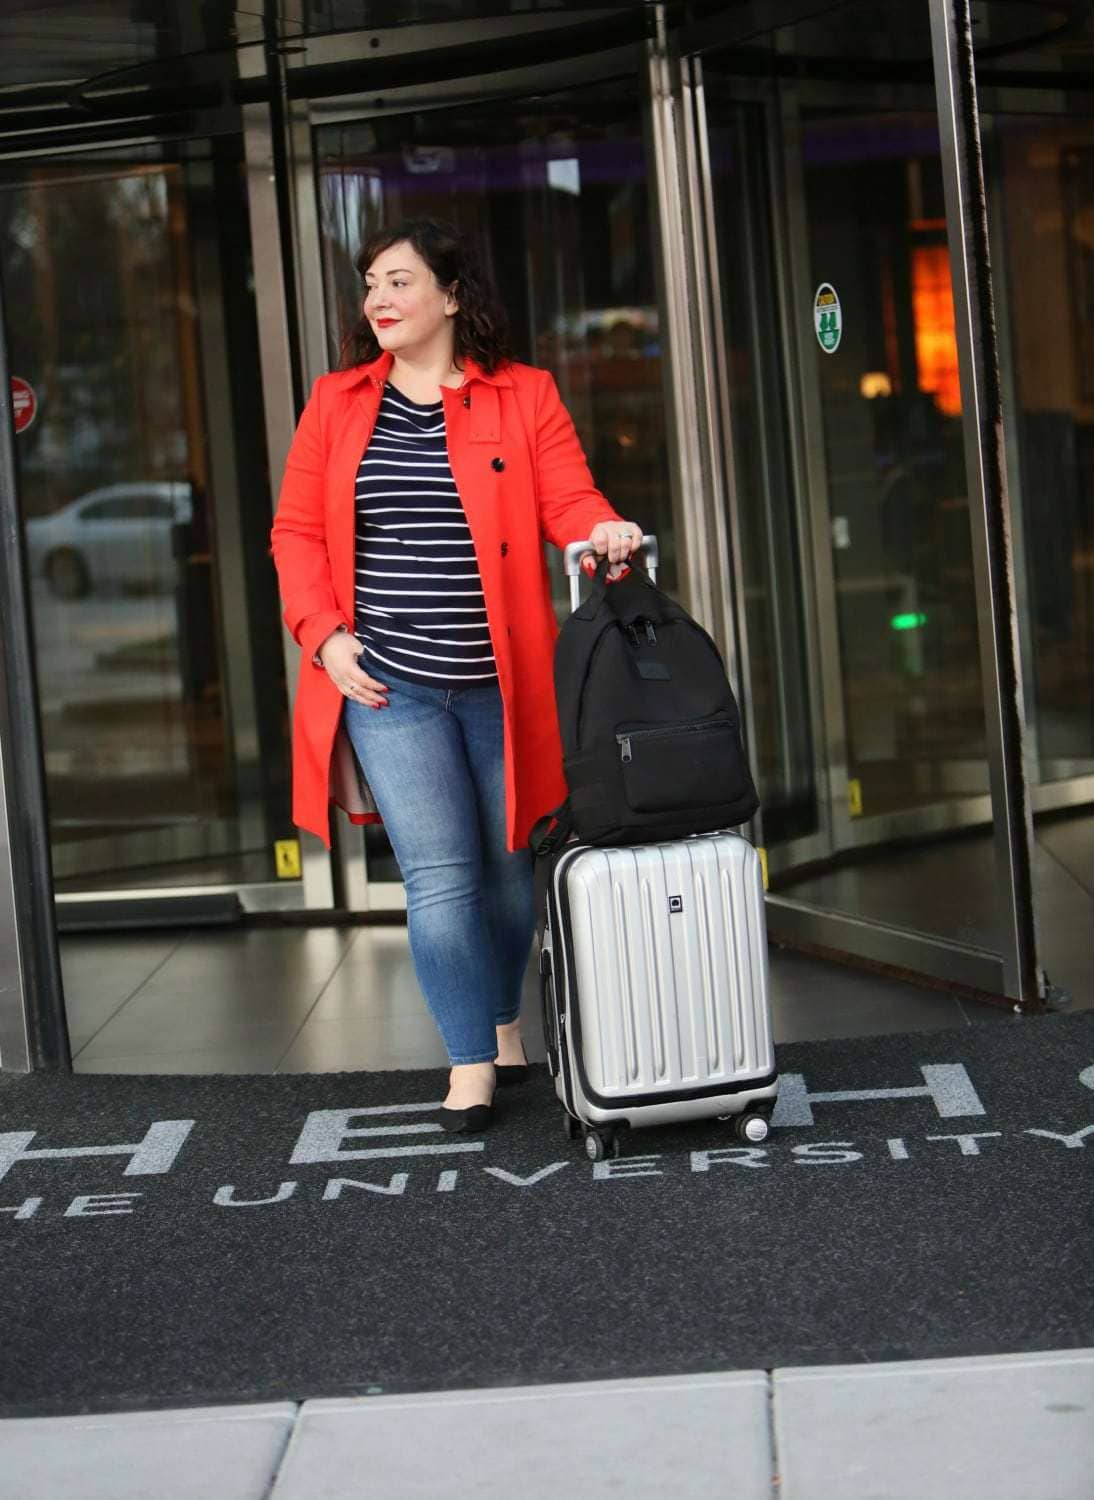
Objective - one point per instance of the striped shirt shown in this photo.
(419, 605)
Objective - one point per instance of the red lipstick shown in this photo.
(385, 322)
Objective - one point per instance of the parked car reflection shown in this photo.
(118, 537)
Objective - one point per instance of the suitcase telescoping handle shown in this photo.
(575, 551)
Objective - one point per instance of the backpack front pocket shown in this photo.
(699, 763)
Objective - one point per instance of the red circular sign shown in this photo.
(24, 403)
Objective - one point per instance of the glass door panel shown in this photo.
(874, 421)
(1042, 169)
(769, 514)
(1040, 174)
(894, 459)
(146, 510)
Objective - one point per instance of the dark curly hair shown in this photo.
(481, 326)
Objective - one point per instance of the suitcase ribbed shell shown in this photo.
(666, 969)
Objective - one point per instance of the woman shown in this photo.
(408, 540)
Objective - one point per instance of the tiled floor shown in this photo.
(949, 890)
(268, 999)
(263, 998)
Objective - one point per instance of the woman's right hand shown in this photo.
(339, 653)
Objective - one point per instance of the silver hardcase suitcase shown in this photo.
(654, 979)
(655, 984)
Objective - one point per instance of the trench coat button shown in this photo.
(497, 464)
(467, 401)
(504, 548)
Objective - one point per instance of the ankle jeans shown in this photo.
(435, 763)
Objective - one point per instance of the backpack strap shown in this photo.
(543, 843)
(546, 850)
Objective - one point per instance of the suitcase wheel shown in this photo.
(599, 1144)
(750, 1128)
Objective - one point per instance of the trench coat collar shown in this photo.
(376, 372)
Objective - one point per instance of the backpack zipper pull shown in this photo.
(625, 743)
(651, 634)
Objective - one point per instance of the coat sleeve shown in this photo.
(298, 541)
(568, 502)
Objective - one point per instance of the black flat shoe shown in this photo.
(507, 1073)
(477, 1117)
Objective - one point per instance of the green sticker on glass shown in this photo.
(827, 317)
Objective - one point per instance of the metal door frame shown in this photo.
(985, 462)
(33, 1024)
(1012, 972)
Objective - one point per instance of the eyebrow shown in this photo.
(398, 271)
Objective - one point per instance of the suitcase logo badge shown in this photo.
(676, 903)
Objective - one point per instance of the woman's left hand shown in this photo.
(617, 539)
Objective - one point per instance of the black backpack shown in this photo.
(651, 732)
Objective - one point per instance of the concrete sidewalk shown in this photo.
(998, 1427)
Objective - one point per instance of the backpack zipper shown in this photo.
(624, 739)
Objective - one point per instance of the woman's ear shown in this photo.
(450, 300)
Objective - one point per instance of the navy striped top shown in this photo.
(419, 605)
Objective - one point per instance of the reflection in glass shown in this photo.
(1046, 192)
(894, 455)
(1040, 172)
(767, 508)
(125, 475)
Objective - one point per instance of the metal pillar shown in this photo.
(283, 387)
(686, 337)
(33, 1028)
(989, 506)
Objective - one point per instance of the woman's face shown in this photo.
(403, 303)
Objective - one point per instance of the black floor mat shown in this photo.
(953, 1216)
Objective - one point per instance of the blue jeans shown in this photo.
(434, 761)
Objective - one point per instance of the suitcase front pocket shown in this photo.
(674, 766)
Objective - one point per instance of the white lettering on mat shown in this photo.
(325, 1130)
(89, 1204)
(162, 1143)
(225, 1197)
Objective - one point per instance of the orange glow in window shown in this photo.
(935, 343)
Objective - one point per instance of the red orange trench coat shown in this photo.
(541, 488)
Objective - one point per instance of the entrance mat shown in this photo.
(166, 1241)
